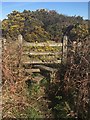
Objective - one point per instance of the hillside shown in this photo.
(55, 91)
(40, 25)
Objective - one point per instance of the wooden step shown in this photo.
(32, 70)
(52, 71)
(43, 67)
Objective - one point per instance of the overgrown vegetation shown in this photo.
(19, 101)
(77, 79)
(67, 98)
(41, 25)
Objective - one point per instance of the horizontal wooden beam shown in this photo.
(43, 67)
(40, 62)
(32, 70)
(41, 53)
(42, 44)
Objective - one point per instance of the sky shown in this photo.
(66, 8)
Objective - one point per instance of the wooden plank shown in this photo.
(41, 62)
(42, 44)
(64, 55)
(43, 67)
(32, 70)
(41, 53)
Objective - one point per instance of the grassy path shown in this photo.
(39, 98)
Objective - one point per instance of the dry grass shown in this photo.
(77, 78)
(13, 88)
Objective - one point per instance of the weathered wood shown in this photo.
(41, 62)
(41, 53)
(51, 57)
(42, 44)
(20, 39)
(64, 49)
(53, 54)
(52, 71)
(43, 67)
(52, 76)
(32, 70)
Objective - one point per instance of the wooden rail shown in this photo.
(53, 56)
(41, 62)
(41, 53)
(29, 52)
(32, 70)
(50, 55)
(52, 44)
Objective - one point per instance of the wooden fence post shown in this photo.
(20, 41)
(64, 49)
